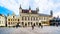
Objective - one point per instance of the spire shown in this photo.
(51, 12)
(29, 8)
(37, 9)
(20, 7)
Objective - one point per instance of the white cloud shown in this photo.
(13, 5)
(47, 5)
(10, 4)
(57, 14)
(43, 5)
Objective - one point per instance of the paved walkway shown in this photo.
(28, 30)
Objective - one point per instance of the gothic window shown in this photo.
(25, 24)
(28, 18)
(33, 18)
(36, 18)
(36, 23)
(11, 19)
(8, 19)
(22, 18)
(28, 23)
(31, 23)
(22, 23)
(18, 19)
(44, 18)
(25, 18)
(11, 22)
(13, 16)
(8, 23)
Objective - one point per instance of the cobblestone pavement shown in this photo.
(28, 30)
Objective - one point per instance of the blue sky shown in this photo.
(5, 11)
(10, 6)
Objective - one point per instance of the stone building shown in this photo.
(12, 20)
(29, 17)
(2, 20)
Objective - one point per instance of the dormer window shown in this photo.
(13, 16)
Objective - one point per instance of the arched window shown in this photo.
(36, 23)
(25, 18)
(31, 23)
(28, 18)
(33, 18)
(8, 19)
(25, 24)
(28, 23)
(8, 23)
(22, 18)
(22, 23)
(18, 19)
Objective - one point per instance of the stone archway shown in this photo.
(25, 24)
(34, 24)
(28, 23)
(31, 23)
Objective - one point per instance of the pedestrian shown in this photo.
(17, 25)
(40, 25)
(57, 24)
(32, 27)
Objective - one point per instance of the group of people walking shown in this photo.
(40, 25)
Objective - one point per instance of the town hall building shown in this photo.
(29, 17)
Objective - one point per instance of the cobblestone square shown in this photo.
(28, 30)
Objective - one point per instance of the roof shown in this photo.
(27, 11)
(2, 15)
(34, 12)
(43, 14)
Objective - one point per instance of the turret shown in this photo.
(37, 9)
(29, 9)
(20, 9)
(13, 15)
(51, 12)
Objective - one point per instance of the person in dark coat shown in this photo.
(32, 27)
(17, 25)
(40, 25)
(57, 24)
